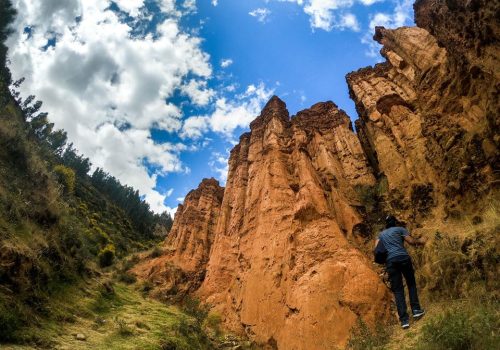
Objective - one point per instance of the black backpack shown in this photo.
(380, 253)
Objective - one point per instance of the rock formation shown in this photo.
(279, 253)
(181, 268)
(283, 267)
(428, 121)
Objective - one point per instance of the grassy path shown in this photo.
(119, 319)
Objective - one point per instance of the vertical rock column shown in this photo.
(181, 267)
(282, 267)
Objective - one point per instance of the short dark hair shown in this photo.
(390, 221)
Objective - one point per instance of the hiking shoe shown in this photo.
(405, 325)
(417, 314)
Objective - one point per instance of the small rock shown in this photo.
(450, 142)
(476, 220)
(466, 169)
(81, 336)
(453, 185)
(489, 148)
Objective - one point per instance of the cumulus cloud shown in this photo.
(401, 16)
(229, 114)
(226, 62)
(331, 14)
(349, 21)
(107, 87)
(219, 164)
(261, 14)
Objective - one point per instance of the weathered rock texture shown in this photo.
(429, 115)
(282, 266)
(280, 256)
(181, 268)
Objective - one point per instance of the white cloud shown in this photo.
(261, 14)
(198, 92)
(232, 114)
(130, 6)
(331, 14)
(226, 62)
(349, 21)
(195, 127)
(370, 2)
(220, 164)
(401, 16)
(229, 114)
(215, 2)
(107, 88)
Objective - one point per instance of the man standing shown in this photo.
(399, 264)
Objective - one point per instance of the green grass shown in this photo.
(121, 319)
(463, 327)
(364, 338)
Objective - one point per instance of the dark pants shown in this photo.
(396, 269)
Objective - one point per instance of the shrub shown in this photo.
(107, 255)
(196, 309)
(456, 267)
(10, 321)
(362, 338)
(66, 176)
(123, 328)
(127, 278)
(156, 252)
(462, 328)
(213, 322)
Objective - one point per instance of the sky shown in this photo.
(157, 92)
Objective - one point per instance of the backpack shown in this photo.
(380, 253)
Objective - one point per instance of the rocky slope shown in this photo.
(287, 264)
(181, 267)
(283, 267)
(429, 115)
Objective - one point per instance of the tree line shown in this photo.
(57, 150)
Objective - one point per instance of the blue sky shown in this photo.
(157, 92)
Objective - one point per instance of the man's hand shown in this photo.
(415, 241)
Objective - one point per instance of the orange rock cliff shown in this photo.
(281, 252)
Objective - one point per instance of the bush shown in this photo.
(362, 338)
(193, 307)
(10, 321)
(213, 323)
(127, 278)
(455, 267)
(107, 255)
(462, 328)
(66, 176)
(156, 252)
(123, 328)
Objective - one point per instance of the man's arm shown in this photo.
(414, 241)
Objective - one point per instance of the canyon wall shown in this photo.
(180, 268)
(281, 253)
(283, 266)
(429, 114)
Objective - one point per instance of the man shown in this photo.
(399, 264)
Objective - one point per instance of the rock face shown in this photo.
(181, 268)
(279, 253)
(283, 267)
(428, 121)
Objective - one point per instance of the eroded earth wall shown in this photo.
(283, 266)
(279, 253)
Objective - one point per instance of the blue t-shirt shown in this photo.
(392, 238)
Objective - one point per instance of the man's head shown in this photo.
(390, 221)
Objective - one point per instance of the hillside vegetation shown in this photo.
(59, 226)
